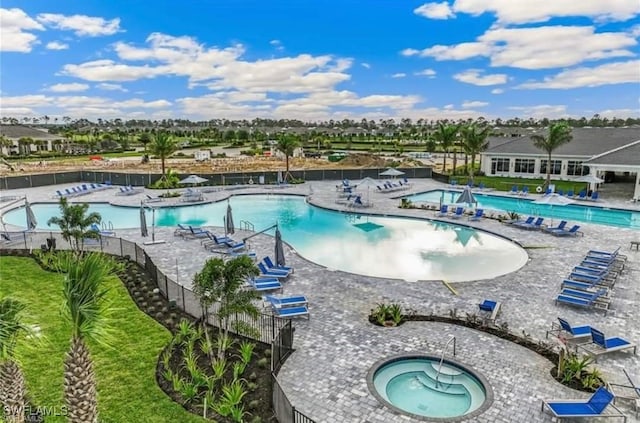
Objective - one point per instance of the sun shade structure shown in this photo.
(193, 179)
(392, 172)
(553, 199)
(467, 197)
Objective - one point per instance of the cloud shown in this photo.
(435, 11)
(542, 111)
(473, 104)
(13, 35)
(108, 70)
(611, 113)
(536, 47)
(81, 25)
(56, 45)
(65, 88)
(430, 73)
(519, 12)
(399, 75)
(111, 87)
(607, 74)
(277, 44)
(474, 77)
(366, 65)
(497, 91)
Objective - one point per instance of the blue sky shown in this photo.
(320, 60)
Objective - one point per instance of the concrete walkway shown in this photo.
(326, 377)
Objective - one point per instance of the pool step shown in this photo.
(441, 386)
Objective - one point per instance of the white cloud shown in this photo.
(399, 75)
(497, 91)
(108, 70)
(13, 35)
(610, 73)
(366, 65)
(541, 111)
(430, 73)
(57, 45)
(473, 76)
(111, 87)
(66, 88)
(277, 44)
(81, 25)
(611, 113)
(520, 12)
(435, 11)
(536, 47)
(473, 104)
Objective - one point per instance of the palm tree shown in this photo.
(13, 390)
(559, 134)
(222, 284)
(287, 145)
(87, 311)
(75, 223)
(163, 146)
(474, 141)
(144, 139)
(446, 135)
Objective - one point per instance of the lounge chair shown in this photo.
(181, 230)
(514, 190)
(630, 391)
(265, 285)
(588, 302)
(458, 213)
(288, 312)
(528, 221)
(479, 214)
(582, 285)
(570, 333)
(595, 196)
(96, 228)
(571, 232)
(525, 191)
(198, 233)
(570, 193)
(214, 240)
(444, 209)
(615, 254)
(560, 227)
(151, 199)
(592, 279)
(601, 295)
(593, 407)
(601, 345)
(280, 274)
(492, 308)
(531, 226)
(290, 301)
(582, 195)
(271, 265)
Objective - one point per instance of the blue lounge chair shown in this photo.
(564, 232)
(615, 254)
(592, 279)
(602, 345)
(582, 195)
(595, 196)
(560, 227)
(528, 221)
(479, 214)
(531, 226)
(271, 265)
(290, 301)
(525, 191)
(288, 312)
(96, 228)
(444, 209)
(514, 190)
(181, 230)
(593, 407)
(266, 285)
(198, 233)
(601, 295)
(492, 308)
(589, 302)
(568, 332)
(273, 273)
(458, 213)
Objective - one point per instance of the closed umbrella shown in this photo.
(228, 222)
(193, 179)
(32, 223)
(392, 172)
(279, 250)
(143, 223)
(466, 196)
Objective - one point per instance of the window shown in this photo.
(556, 167)
(525, 166)
(575, 168)
(499, 165)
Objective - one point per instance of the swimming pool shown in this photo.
(390, 247)
(525, 206)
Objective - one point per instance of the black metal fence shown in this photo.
(231, 178)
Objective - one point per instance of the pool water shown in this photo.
(413, 385)
(389, 247)
(525, 206)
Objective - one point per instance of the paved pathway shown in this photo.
(335, 348)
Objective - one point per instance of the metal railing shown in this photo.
(444, 350)
(245, 225)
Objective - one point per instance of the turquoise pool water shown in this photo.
(524, 206)
(410, 385)
(398, 248)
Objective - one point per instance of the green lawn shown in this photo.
(505, 184)
(126, 372)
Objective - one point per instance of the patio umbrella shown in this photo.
(143, 222)
(590, 179)
(392, 172)
(553, 199)
(279, 250)
(368, 182)
(228, 222)
(193, 179)
(466, 196)
(32, 223)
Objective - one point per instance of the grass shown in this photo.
(127, 390)
(505, 183)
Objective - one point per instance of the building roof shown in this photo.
(15, 132)
(628, 155)
(587, 142)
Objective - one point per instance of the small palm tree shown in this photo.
(446, 136)
(163, 146)
(474, 141)
(87, 311)
(221, 283)
(287, 145)
(75, 223)
(13, 390)
(559, 134)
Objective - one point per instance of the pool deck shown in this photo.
(325, 378)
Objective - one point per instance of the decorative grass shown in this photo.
(127, 390)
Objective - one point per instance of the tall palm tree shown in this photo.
(559, 134)
(446, 135)
(287, 145)
(163, 146)
(474, 141)
(75, 223)
(222, 283)
(87, 310)
(13, 390)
